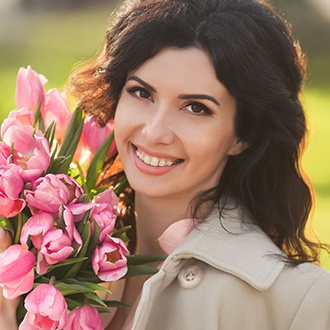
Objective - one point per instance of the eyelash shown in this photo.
(205, 110)
(133, 91)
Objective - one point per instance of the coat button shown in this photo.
(190, 277)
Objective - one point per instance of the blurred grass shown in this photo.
(53, 42)
(316, 159)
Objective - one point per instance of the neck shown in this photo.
(153, 217)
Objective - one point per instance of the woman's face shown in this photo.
(174, 125)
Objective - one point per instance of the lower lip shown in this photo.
(151, 170)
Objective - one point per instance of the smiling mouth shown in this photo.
(155, 161)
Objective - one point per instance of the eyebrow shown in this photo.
(142, 82)
(181, 96)
(198, 97)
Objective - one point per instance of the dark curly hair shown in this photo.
(261, 65)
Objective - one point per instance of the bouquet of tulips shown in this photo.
(64, 241)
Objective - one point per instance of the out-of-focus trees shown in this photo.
(310, 22)
(61, 4)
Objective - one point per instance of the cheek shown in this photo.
(126, 113)
(125, 124)
(213, 146)
(120, 126)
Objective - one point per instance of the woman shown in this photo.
(209, 129)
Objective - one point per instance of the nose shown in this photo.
(158, 127)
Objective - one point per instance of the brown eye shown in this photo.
(142, 93)
(198, 109)
(139, 92)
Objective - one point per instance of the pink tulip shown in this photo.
(56, 246)
(108, 260)
(69, 227)
(5, 154)
(29, 88)
(105, 212)
(10, 181)
(36, 228)
(82, 155)
(50, 192)
(32, 148)
(20, 117)
(107, 197)
(94, 135)
(78, 210)
(56, 108)
(11, 185)
(46, 309)
(84, 318)
(16, 271)
(10, 208)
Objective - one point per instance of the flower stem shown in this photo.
(83, 180)
(52, 280)
(19, 228)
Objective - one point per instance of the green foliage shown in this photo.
(69, 145)
(95, 168)
(54, 49)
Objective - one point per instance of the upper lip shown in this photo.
(156, 154)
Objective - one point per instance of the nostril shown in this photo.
(158, 131)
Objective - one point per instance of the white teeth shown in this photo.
(153, 161)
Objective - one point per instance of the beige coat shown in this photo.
(230, 277)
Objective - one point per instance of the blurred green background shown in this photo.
(52, 36)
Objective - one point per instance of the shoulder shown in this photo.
(305, 280)
(307, 273)
(309, 286)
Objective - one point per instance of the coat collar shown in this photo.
(240, 248)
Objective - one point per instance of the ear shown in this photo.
(237, 147)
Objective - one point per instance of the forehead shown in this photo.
(190, 68)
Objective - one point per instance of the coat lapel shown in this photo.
(233, 246)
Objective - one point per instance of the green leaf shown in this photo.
(64, 263)
(21, 311)
(71, 286)
(115, 303)
(60, 164)
(50, 133)
(85, 236)
(82, 223)
(97, 162)
(134, 260)
(120, 187)
(38, 117)
(70, 289)
(140, 270)
(87, 276)
(72, 137)
(95, 287)
(73, 303)
(79, 286)
(7, 225)
(93, 296)
(72, 272)
(94, 240)
(40, 279)
(120, 232)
